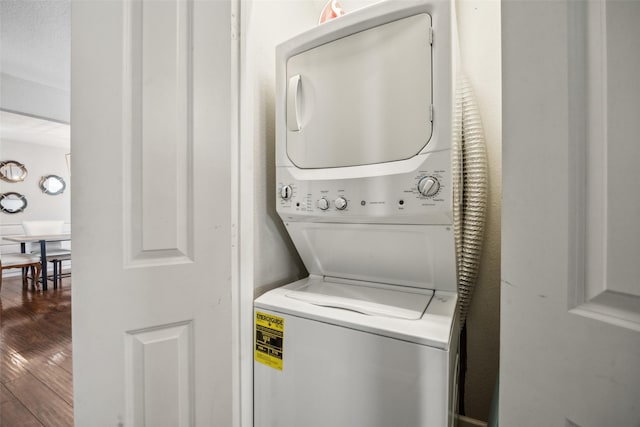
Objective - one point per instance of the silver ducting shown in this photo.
(470, 186)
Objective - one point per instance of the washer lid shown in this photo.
(364, 297)
(436, 328)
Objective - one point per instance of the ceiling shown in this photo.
(35, 45)
(35, 39)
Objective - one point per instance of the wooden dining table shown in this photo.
(42, 239)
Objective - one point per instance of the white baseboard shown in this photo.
(470, 422)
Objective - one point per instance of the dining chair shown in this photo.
(56, 253)
(57, 260)
(23, 261)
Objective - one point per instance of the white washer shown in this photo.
(363, 170)
(341, 368)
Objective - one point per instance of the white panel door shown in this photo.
(570, 310)
(151, 212)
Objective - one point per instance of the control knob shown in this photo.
(341, 203)
(286, 192)
(428, 186)
(323, 204)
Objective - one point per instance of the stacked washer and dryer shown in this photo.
(365, 190)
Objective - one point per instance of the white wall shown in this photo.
(265, 24)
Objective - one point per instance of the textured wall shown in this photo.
(480, 48)
(265, 24)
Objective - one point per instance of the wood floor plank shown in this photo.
(11, 315)
(52, 367)
(36, 387)
(56, 378)
(59, 355)
(49, 408)
(14, 413)
(55, 328)
(22, 336)
(12, 366)
(5, 396)
(63, 357)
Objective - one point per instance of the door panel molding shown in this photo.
(159, 386)
(603, 282)
(158, 119)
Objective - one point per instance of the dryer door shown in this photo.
(362, 99)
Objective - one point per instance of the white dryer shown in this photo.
(363, 169)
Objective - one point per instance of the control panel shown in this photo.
(422, 196)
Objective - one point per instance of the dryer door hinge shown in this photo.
(431, 36)
(431, 113)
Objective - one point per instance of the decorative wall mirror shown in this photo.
(12, 171)
(52, 184)
(12, 203)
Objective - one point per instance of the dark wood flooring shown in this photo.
(36, 387)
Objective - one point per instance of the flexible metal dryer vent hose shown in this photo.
(470, 183)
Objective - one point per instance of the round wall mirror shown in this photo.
(52, 184)
(12, 202)
(12, 171)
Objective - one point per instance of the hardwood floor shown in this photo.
(36, 387)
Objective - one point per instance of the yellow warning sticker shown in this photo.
(269, 336)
